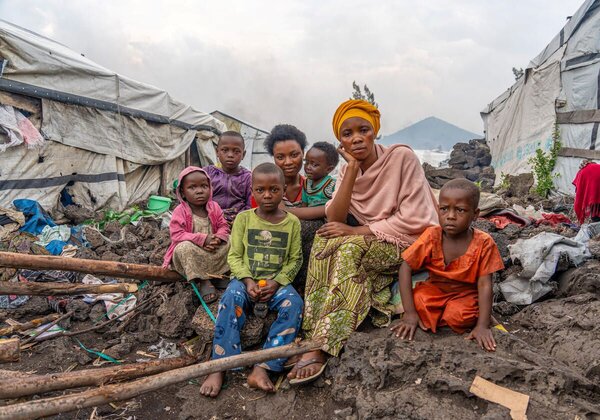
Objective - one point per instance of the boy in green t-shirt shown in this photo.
(265, 248)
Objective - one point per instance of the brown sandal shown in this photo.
(303, 363)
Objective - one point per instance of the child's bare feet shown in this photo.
(259, 378)
(212, 384)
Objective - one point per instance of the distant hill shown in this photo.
(430, 133)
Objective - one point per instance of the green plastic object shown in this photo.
(158, 204)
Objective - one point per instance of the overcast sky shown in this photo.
(269, 62)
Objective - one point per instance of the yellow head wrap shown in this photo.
(355, 108)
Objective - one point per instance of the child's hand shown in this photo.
(215, 241)
(211, 243)
(252, 288)
(267, 292)
(484, 338)
(407, 326)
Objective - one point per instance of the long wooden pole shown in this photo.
(10, 350)
(102, 268)
(34, 323)
(125, 391)
(57, 289)
(38, 384)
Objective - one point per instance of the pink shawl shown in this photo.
(182, 223)
(393, 196)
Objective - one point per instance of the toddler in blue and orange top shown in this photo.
(320, 160)
(460, 261)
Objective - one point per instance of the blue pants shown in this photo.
(232, 316)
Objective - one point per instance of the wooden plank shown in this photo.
(583, 116)
(515, 401)
(579, 153)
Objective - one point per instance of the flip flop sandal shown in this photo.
(301, 364)
(220, 283)
(206, 288)
(289, 363)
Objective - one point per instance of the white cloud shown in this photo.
(271, 61)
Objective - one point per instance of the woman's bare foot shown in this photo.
(212, 384)
(308, 365)
(259, 378)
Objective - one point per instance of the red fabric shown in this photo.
(554, 219)
(501, 221)
(482, 257)
(450, 295)
(182, 223)
(587, 192)
(441, 304)
(503, 218)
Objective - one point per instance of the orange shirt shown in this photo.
(482, 257)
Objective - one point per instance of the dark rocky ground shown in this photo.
(551, 352)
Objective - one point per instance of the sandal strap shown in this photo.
(303, 363)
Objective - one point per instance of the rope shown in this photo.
(97, 353)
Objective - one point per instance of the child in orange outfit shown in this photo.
(460, 261)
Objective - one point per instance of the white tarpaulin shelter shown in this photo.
(560, 86)
(253, 139)
(109, 139)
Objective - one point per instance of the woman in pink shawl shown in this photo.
(382, 203)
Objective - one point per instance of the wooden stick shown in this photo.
(47, 327)
(4, 373)
(38, 384)
(58, 289)
(98, 268)
(28, 325)
(10, 350)
(125, 391)
(96, 327)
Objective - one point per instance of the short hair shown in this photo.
(465, 185)
(268, 168)
(331, 154)
(283, 132)
(232, 133)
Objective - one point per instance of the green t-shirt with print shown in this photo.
(264, 250)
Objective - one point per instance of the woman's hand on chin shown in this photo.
(345, 155)
(335, 229)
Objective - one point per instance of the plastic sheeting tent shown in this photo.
(253, 139)
(559, 86)
(111, 140)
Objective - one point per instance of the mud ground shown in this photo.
(551, 353)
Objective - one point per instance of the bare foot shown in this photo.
(308, 365)
(259, 378)
(212, 384)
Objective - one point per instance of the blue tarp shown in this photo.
(35, 215)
